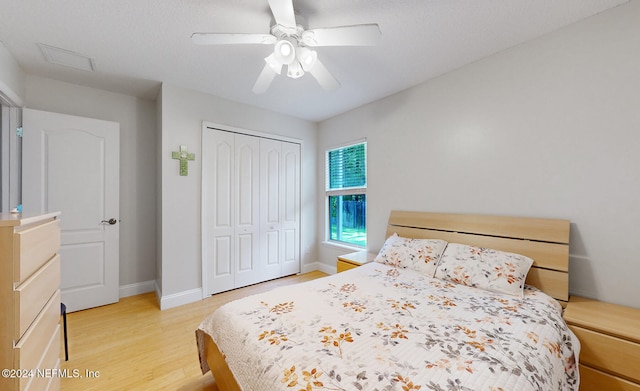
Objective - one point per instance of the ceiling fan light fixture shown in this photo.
(292, 45)
(307, 58)
(273, 62)
(294, 70)
(285, 51)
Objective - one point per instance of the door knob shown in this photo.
(111, 221)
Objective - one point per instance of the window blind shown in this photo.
(347, 167)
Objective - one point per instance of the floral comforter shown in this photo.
(377, 327)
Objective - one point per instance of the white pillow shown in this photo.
(421, 255)
(484, 268)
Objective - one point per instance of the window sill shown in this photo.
(344, 246)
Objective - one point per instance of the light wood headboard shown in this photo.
(546, 241)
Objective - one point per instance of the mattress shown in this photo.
(377, 327)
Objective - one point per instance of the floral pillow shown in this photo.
(493, 270)
(421, 255)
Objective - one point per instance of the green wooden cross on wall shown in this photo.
(184, 157)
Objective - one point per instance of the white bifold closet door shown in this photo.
(251, 209)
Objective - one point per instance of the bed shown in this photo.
(424, 316)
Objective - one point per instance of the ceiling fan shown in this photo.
(293, 45)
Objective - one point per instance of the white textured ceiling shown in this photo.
(136, 44)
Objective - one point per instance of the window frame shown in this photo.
(344, 191)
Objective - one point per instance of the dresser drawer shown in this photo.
(594, 380)
(608, 353)
(49, 364)
(54, 384)
(33, 247)
(33, 294)
(31, 348)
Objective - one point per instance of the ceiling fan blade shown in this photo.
(283, 12)
(323, 76)
(356, 35)
(264, 80)
(231, 38)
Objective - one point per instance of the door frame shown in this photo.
(208, 125)
(11, 157)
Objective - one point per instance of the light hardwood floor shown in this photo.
(132, 345)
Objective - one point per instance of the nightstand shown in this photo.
(351, 260)
(609, 335)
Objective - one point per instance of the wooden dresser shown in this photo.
(609, 335)
(30, 302)
(351, 260)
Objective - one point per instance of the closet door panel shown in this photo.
(273, 248)
(291, 208)
(223, 180)
(219, 195)
(245, 253)
(223, 256)
(290, 246)
(247, 224)
(271, 206)
(247, 181)
(291, 162)
(272, 181)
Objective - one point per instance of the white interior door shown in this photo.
(71, 164)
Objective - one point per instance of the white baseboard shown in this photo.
(137, 288)
(309, 267)
(323, 267)
(180, 298)
(193, 295)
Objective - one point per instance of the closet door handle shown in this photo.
(111, 221)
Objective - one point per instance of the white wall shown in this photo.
(138, 140)
(11, 78)
(550, 128)
(158, 170)
(183, 111)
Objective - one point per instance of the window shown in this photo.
(346, 194)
